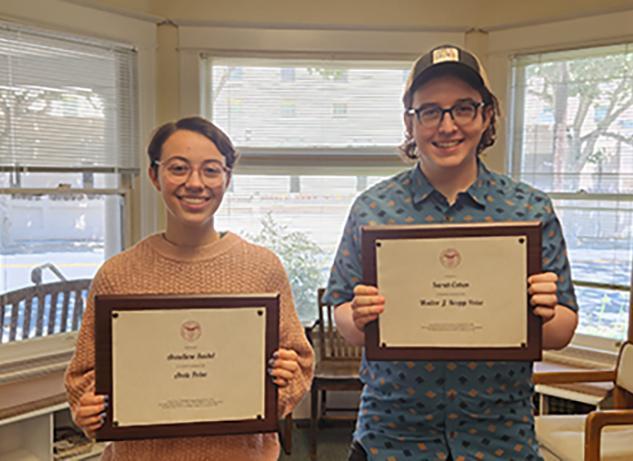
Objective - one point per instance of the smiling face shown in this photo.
(191, 200)
(447, 146)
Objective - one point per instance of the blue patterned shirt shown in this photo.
(428, 410)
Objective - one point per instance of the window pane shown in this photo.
(307, 103)
(599, 235)
(572, 133)
(47, 239)
(605, 312)
(300, 218)
(66, 101)
(574, 120)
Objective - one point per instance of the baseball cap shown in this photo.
(442, 60)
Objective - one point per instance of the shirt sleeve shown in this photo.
(346, 270)
(555, 256)
(291, 336)
(80, 373)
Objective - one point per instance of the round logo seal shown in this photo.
(450, 258)
(190, 330)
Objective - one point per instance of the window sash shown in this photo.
(266, 112)
(574, 189)
(517, 117)
(69, 102)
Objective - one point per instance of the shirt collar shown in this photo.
(422, 188)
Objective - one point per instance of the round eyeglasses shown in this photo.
(431, 115)
(179, 170)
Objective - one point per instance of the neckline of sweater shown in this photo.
(192, 253)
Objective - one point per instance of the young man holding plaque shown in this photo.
(191, 162)
(449, 410)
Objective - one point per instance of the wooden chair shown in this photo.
(42, 310)
(605, 435)
(284, 432)
(336, 369)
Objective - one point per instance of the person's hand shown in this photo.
(367, 305)
(89, 414)
(542, 291)
(284, 366)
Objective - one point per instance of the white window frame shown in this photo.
(197, 41)
(24, 358)
(305, 161)
(506, 42)
(584, 342)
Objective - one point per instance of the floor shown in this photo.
(332, 443)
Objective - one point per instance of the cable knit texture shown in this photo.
(228, 265)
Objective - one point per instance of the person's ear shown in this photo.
(152, 172)
(408, 123)
(487, 113)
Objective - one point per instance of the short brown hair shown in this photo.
(198, 125)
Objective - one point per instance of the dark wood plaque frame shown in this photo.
(532, 351)
(104, 307)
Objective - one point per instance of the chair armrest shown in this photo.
(313, 326)
(596, 421)
(309, 329)
(568, 377)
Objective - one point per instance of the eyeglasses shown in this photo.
(431, 115)
(179, 170)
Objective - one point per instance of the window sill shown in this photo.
(35, 357)
(30, 395)
(582, 357)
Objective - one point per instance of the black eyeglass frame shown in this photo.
(417, 111)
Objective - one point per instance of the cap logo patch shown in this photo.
(445, 55)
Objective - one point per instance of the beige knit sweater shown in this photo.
(228, 265)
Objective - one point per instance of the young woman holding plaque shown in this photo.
(191, 162)
(455, 410)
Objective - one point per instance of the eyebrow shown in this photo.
(185, 159)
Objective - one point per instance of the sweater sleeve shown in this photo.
(291, 336)
(80, 373)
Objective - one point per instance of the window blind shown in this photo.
(573, 119)
(572, 136)
(66, 102)
(307, 104)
